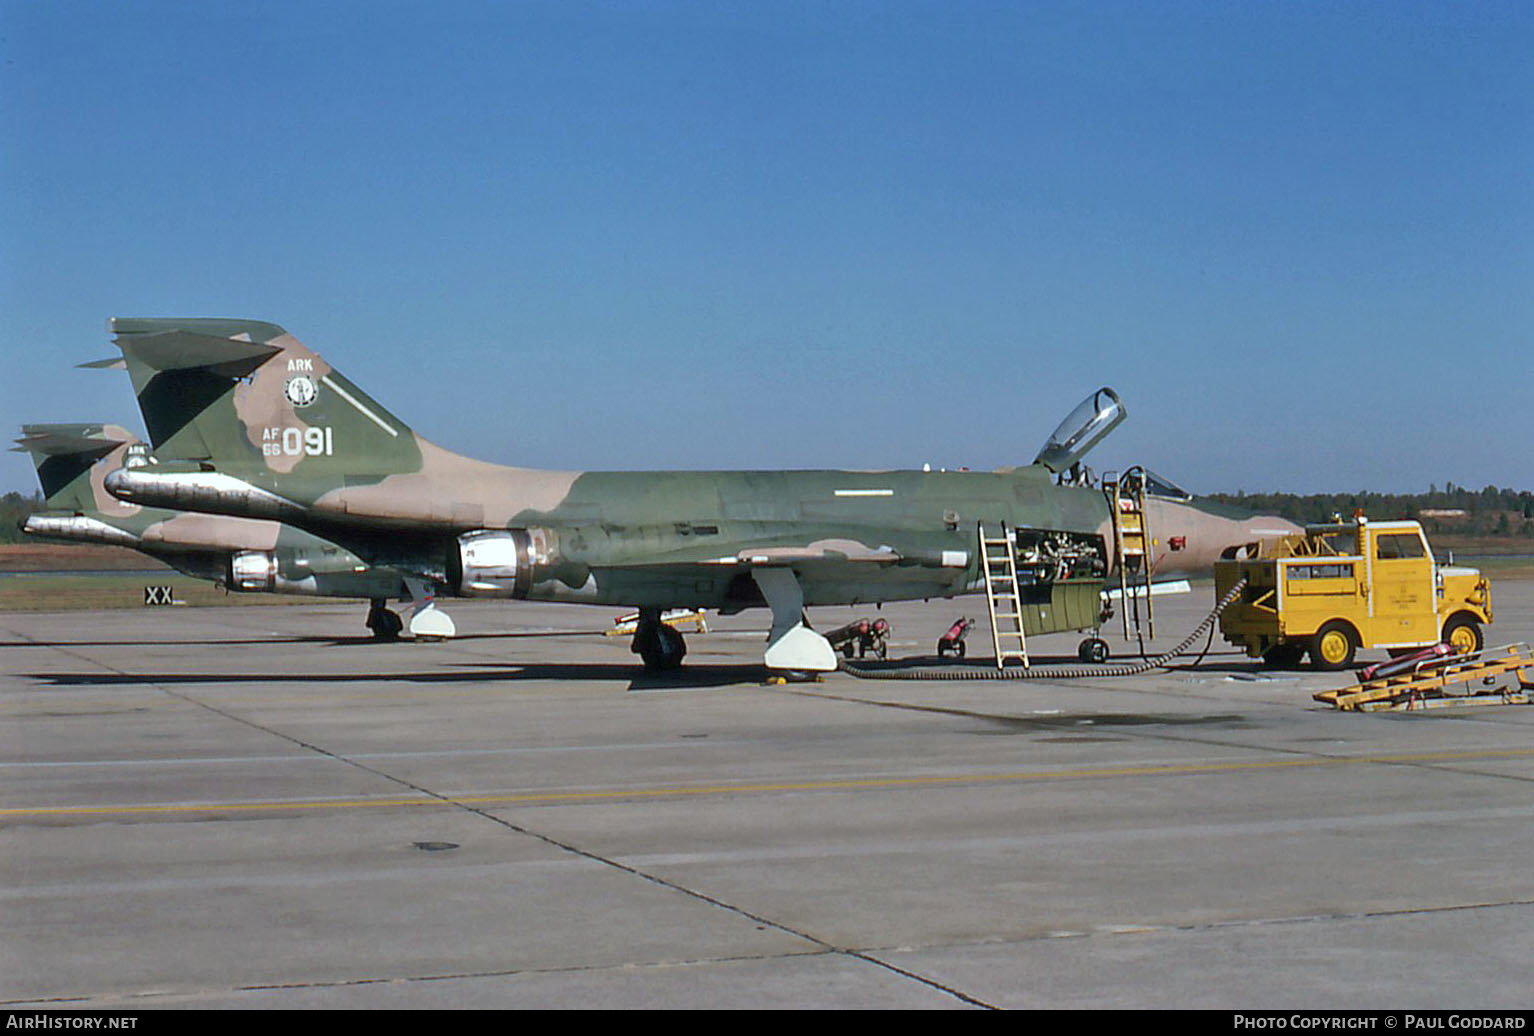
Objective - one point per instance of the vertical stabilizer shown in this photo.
(246, 396)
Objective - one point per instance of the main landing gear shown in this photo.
(660, 646)
(426, 621)
(384, 624)
(794, 651)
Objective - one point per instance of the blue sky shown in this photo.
(1298, 238)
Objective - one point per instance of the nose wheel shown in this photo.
(1093, 649)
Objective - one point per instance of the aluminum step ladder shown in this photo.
(1133, 548)
(1003, 598)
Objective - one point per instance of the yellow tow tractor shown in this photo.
(1350, 585)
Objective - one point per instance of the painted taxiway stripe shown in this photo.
(852, 784)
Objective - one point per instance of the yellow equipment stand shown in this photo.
(625, 625)
(1496, 676)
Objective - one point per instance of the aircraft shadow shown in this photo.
(483, 672)
(362, 640)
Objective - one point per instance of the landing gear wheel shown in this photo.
(1283, 656)
(661, 647)
(1463, 635)
(1093, 649)
(1333, 646)
(385, 624)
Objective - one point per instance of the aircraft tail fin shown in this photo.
(246, 392)
(66, 456)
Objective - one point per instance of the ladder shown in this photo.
(1003, 598)
(1132, 546)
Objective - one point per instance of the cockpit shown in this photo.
(1166, 489)
(1083, 428)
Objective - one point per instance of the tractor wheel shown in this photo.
(1333, 646)
(1463, 634)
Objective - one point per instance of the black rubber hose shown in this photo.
(1045, 672)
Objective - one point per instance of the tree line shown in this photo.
(1455, 509)
(14, 509)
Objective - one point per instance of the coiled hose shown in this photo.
(963, 672)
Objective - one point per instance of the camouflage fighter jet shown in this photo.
(247, 421)
(243, 554)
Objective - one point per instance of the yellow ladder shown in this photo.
(1002, 596)
(1133, 548)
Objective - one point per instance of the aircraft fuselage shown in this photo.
(690, 539)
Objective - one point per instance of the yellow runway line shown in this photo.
(853, 784)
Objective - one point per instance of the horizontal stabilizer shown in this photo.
(63, 440)
(188, 350)
(64, 455)
(213, 327)
(111, 363)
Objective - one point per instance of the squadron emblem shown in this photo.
(301, 391)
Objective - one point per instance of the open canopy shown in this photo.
(1084, 428)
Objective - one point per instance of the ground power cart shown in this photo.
(1350, 585)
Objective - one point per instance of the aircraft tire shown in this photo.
(385, 624)
(1093, 649)
(664, 650)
